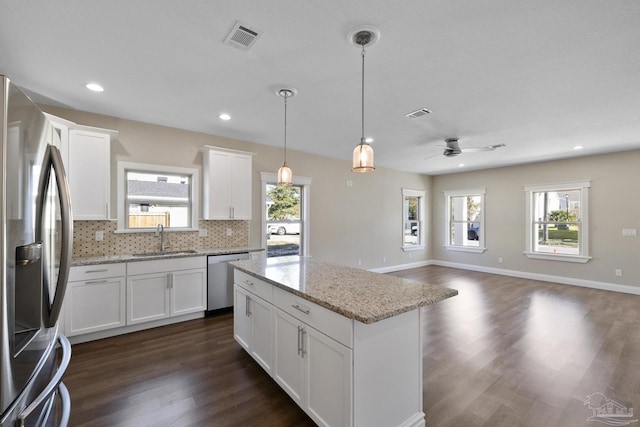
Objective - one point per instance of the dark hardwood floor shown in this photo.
(504, 352)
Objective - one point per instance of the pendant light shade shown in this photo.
(363, 153)
(363, 158)
(284, 173)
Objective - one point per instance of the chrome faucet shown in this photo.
(160, 232)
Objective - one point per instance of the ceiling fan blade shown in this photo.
(487, 148)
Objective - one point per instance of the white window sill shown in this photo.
(558, 257)
(153, 230)
(413, 248)
(470, 249)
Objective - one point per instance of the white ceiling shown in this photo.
(540, 76)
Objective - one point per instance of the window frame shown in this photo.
(481, 248)
(122, 213)
(583, 233)
(300, 181)
(420, 194)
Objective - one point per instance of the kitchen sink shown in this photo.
(188, 251)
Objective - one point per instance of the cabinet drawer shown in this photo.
(330, 323)
(166, 265)
(99, 271)
(254, 285)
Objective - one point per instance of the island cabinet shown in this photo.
(340, 371)
(227, 176)
(95, 299)
(159, 289)
(253, 322)
(313, 368)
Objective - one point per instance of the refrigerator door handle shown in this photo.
(53, 160)
(54, 385)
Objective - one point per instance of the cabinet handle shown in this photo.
(246, 281)
(106, 210)
(96, 271)
(247, 308)
(302, 345)
(230, 213)
(93, 282)
(169, 280)
(303, 310)
(299, 340)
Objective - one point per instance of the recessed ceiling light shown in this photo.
(224, 116)
(578, 147)
(368, 140)
(95, 87)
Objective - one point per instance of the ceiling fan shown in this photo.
(453, 148)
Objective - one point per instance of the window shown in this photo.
(557, 226)
(412, 219)
(149, 195)
(285, 216)
(465, 220)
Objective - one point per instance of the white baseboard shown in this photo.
(537, 276)
(401, 267)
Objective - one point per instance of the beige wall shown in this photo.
(362, 222)
(613, 201)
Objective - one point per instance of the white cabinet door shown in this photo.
(188, 291)
(226, 183)
(261, 314)
(89, 174)
(329, 379)
(241, 317)
(148, 297)
(219, 195)
(253, 326)
(241, 186)
(288, 365)
(95, 305)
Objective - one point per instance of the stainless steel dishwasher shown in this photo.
(220, 280)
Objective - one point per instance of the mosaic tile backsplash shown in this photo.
(85, 244)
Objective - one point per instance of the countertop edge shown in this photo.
(112, 259)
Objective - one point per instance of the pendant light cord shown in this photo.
(363, 53)
(286, 95)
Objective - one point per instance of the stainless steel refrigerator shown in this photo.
(36, 234)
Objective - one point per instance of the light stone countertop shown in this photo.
(110, 259)
(354, 293)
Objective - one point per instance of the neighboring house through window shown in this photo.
(465, 220)
(149, 195)
(557, 221)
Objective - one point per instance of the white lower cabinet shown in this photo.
(159, 289)
(283, 334)
(95, 299)
(252, 326)
(314, 370)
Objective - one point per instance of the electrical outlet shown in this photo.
(618, 272)
(203, 232)
(499, 260)
(229, 232)
(629, 232)
(384, 259)
(359, 262)
(349, 183)
(99, 235)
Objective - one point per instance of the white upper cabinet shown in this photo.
(227, 176)
(89, 174)
(86, 152)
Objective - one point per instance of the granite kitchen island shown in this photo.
(344, 343)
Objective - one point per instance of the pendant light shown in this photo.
(284, 173)
(363, 153)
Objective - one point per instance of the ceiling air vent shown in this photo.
(242, 37)
(418, 113)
